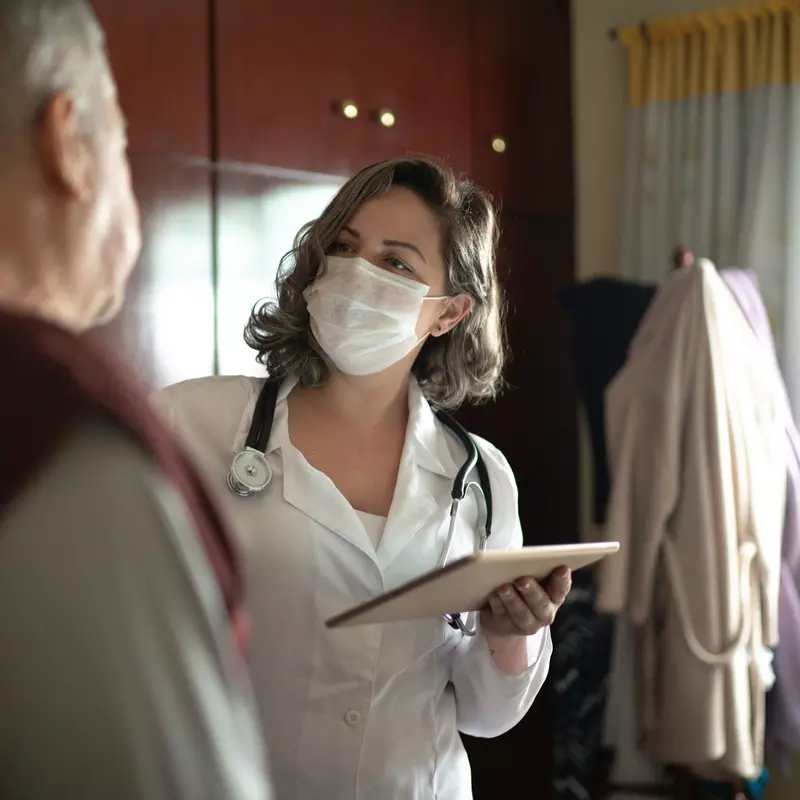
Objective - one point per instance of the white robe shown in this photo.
(697, 451)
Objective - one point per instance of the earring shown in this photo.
(438, 329)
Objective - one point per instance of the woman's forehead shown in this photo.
(398, 214)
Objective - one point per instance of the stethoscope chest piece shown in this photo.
(250, 472)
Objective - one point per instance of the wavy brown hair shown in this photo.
(464, 364)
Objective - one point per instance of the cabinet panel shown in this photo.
(260, 211)
(534, 421)
(521, 91)
(284, 67)
(166, 329)
(160, 56)
(416, 61)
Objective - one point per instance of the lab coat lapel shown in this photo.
(304, 487)
(425, 455)
(313, 493)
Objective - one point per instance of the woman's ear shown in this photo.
(458, 309)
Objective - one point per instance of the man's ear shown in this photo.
(455, 312)
(63, 148)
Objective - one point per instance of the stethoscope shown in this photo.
(250, 473)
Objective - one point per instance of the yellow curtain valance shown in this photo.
(730, 49)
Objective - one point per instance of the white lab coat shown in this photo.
(369, 712)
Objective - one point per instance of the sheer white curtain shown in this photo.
(713, 159)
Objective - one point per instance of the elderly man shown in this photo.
(122, 671)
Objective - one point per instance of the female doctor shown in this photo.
(387, 304)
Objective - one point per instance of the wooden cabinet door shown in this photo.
(521, 93)
(534, 420)
(160, 57)
(159, 53)
(284, 69)
(415, 58)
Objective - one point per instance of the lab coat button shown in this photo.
(353, 719)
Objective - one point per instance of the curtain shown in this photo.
(713, 153)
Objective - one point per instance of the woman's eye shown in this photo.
(396, 263)
(340, 247)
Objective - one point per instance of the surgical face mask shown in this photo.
(364, 317)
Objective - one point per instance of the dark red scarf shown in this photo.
(53, 380)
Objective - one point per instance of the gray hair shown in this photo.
(46, 47)
(464, 364)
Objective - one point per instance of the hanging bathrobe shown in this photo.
(783, 718)
(697, 451)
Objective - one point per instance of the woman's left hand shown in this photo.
(527, 606)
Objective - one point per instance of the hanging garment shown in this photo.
(697, 450)
(605, 314)
(783, 721)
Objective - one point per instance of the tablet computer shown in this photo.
(465, 585)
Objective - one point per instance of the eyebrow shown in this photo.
(388, 242)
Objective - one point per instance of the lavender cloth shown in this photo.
(783, 731)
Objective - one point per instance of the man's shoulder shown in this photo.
(99, 456)
(105, 490)
(51, 377)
